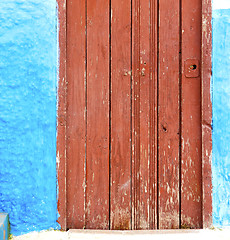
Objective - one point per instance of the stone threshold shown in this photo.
(177, 234)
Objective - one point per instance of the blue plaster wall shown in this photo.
(221, 114)
(28, 76)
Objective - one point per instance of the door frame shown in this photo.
(206, 113)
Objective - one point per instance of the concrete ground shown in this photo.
(223, 234)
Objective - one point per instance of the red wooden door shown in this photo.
(134, 114)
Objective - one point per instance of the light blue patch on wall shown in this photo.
(221, 117)
(28, 76)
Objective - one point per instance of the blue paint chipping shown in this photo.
(221, 118)
(28, 79)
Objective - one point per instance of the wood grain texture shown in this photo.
(120, 114)
(61, 116)
(97, 145)
(191, 172)
(136, 161)
(141, 115)
(206, 112)
(76, 115)
(168, 113)
(143, 105)
(154, 33)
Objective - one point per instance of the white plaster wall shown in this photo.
(220, 4)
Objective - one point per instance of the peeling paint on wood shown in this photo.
(120, 115)
(191, 167)
(168, 114)
(61, 111)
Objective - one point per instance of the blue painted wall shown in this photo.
(221, 113)
(28, 81)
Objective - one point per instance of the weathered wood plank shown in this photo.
(120, 114)
(136, 74)
(206, 121)
(143, 131)
(191, 171)
(97, 147)
(141, 156)
(76, 121)
(168, 114)
(153, 131)
(61, 116)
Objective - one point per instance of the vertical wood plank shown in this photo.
(141, 111)
(136, 74)
(120, 114)
(61, 116)
(206, 121)
(143, 118)
(76, 114)
(191, 171)
(97, 148)
(153, 131)
(168, 114)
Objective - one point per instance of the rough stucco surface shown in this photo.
(221, 118)
(28, 69)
